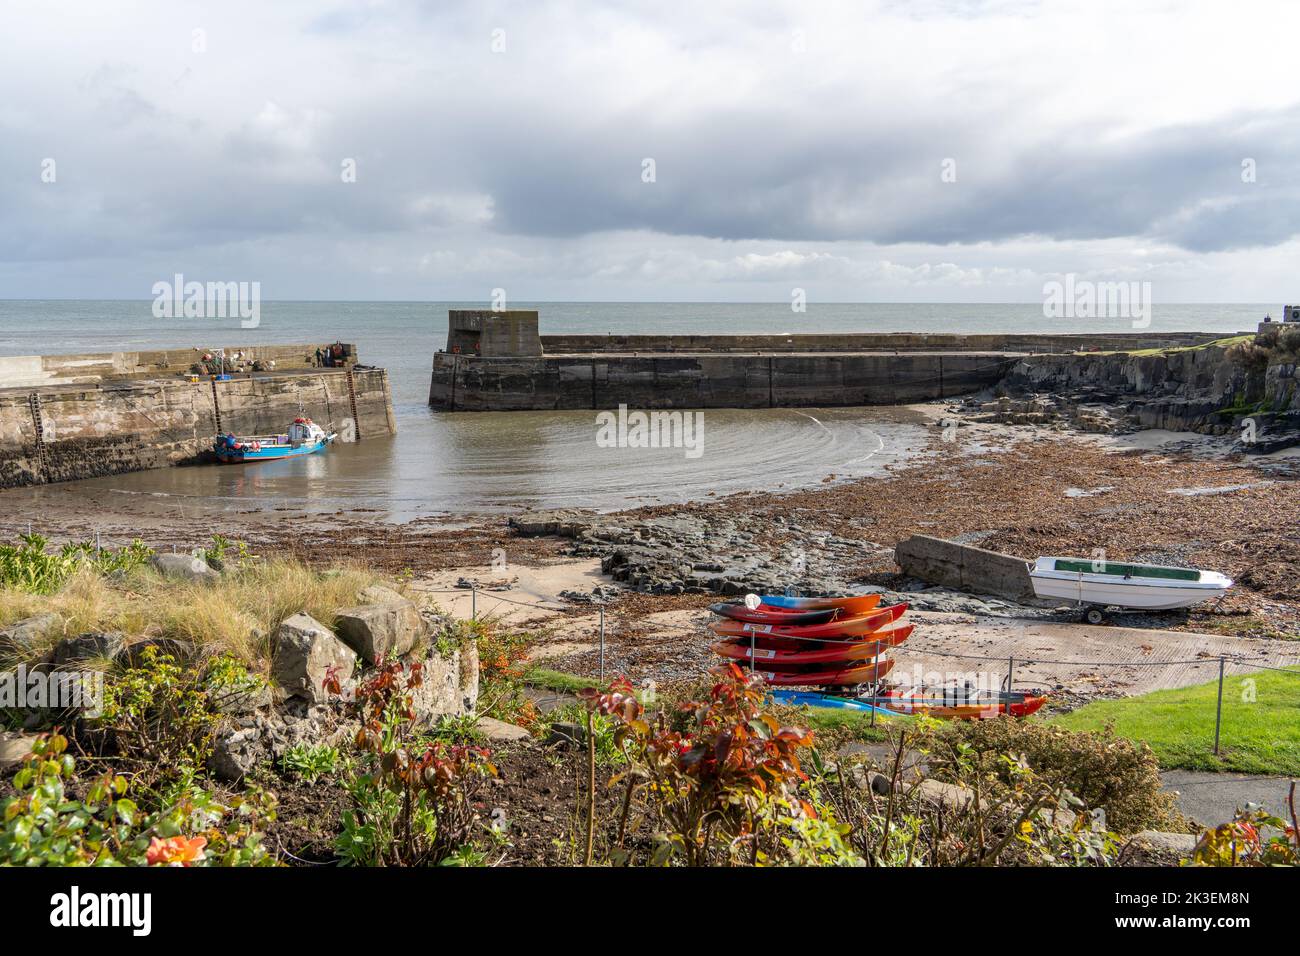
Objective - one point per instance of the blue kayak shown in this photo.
(811, 698)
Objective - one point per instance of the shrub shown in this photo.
(29, 567)
(1241, 842)
(999, 812)
(159, 717)
(45, 826)
(502, 668)
(1101, 769)
(413, 801)
(723, 791)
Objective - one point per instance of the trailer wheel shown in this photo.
(1094, 615)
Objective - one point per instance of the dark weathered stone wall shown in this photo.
(469, 383)
(136, 425)
(872, 341)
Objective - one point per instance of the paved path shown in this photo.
(1149, 659)
(1213, 798)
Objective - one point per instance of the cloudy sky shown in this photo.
(886, 151)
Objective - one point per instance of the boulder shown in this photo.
(499, 732)
(439, 694)
(1180, 844)
(304, 652)
(23, 641)
(87, 647)
(236, 753)
(14, 749)
(377, 631)
(184, 567)
(379, 594)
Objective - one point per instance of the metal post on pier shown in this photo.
(753, 653)
(1218, 710)
(602, 646)
(473, 602)
(1011, 674)
(875, 684)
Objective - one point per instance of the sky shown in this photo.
(698, 151)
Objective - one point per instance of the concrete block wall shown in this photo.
(964, 567)
(512, 332)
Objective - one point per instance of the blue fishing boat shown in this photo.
(304, 437)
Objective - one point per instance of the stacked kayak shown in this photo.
(832, 650)
(811, 642)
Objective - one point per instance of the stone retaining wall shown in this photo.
(964, 567)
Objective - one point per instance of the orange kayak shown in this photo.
(863, 673)
(849, 627)
(947, 705)
(782, 654)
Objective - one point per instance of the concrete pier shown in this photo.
(498, 361)
(69, 417)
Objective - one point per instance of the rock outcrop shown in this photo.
(305, 652)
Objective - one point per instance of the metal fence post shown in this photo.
(473, 602)
(1011, 674)
(1218, 710)
(602, 645)
(752, 652)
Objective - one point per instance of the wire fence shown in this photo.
(1016, 671)
(1008, 668)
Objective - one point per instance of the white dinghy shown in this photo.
(1146, 587)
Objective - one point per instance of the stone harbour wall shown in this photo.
(723, 380)
(497, 361)
(65, 432)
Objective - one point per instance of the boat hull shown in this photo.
(782, 654)
(841, 629)
(1146, 594)
(247, 455)
(831, 676)
(812, 698)
(932, 704)
(847, 605)
(760, 615)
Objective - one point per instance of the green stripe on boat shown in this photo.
(1128, 570)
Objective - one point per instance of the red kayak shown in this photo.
(839, 677)
(761, 615)
(840, 629)
(781, 654)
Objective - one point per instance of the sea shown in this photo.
(446, 465)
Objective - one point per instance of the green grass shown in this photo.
(1259, 736)
(558, 680)
(1223, 343)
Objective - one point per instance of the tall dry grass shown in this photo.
(237, 614)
